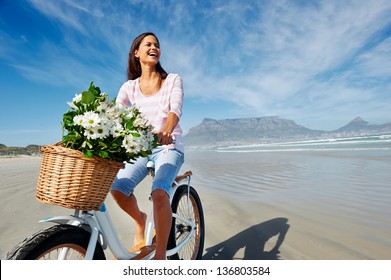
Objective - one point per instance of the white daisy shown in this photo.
(89, 133)
(72, 105)
(91, 119)
(103, 108)
(128, 113)
(100, 132)
(129, 143)
(77, 98)
(116, 129)
(78, 120)
(139, 122)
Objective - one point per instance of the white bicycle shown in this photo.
(86, 234)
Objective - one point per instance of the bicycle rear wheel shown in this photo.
(187, 204)
(67, 241)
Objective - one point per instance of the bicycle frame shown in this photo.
(104, 231)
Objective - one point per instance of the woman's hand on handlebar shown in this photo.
(164, 138)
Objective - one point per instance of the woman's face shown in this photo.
(149, 50)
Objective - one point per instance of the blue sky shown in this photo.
(319, 63)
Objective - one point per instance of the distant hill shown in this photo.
(213, 131)
(356, 124)
(270, 129)
(16, 151)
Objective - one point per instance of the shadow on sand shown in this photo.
(253, 240)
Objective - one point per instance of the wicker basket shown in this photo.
(70, 180)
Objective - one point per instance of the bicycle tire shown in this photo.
(46, 243)
(193, 249)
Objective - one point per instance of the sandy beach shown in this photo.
(256, 206)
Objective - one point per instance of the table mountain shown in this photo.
(245, 130)
(270, 129)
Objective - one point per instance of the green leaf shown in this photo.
(86, 143)
(87, 97)
(88, 154)
(103, 144)
(89, 144)
(93, 89)
(129, 124)
(103, 154)
(144, 154)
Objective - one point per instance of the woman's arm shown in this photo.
(176, 101)
(122, 96)
(164, 136)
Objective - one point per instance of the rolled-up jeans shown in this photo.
(167, 165)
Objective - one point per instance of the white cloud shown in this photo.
(374, 63)
(59, 11)
(297, 59)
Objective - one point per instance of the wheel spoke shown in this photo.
(189, 207)
(64, 252)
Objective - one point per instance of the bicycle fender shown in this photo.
(76, 221)
(63, 220)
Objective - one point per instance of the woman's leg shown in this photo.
(163, 217)
(122, 191)
(130, 206)
(167, 165)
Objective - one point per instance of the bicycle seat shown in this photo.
(151, 168)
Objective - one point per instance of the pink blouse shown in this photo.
(156, 107)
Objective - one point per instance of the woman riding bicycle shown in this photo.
(159, 96)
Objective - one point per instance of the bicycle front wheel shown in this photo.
(187, 204)
(57, 242)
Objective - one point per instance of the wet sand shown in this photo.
(288, 206)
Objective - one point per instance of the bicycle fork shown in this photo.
(92, 242)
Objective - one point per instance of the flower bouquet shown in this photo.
(97, 126)
(98, 137)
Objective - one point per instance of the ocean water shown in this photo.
(375, 142)
(345, 181)
(359, 165)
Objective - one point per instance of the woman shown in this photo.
(159, 97)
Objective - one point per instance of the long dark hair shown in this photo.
(134, 67)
